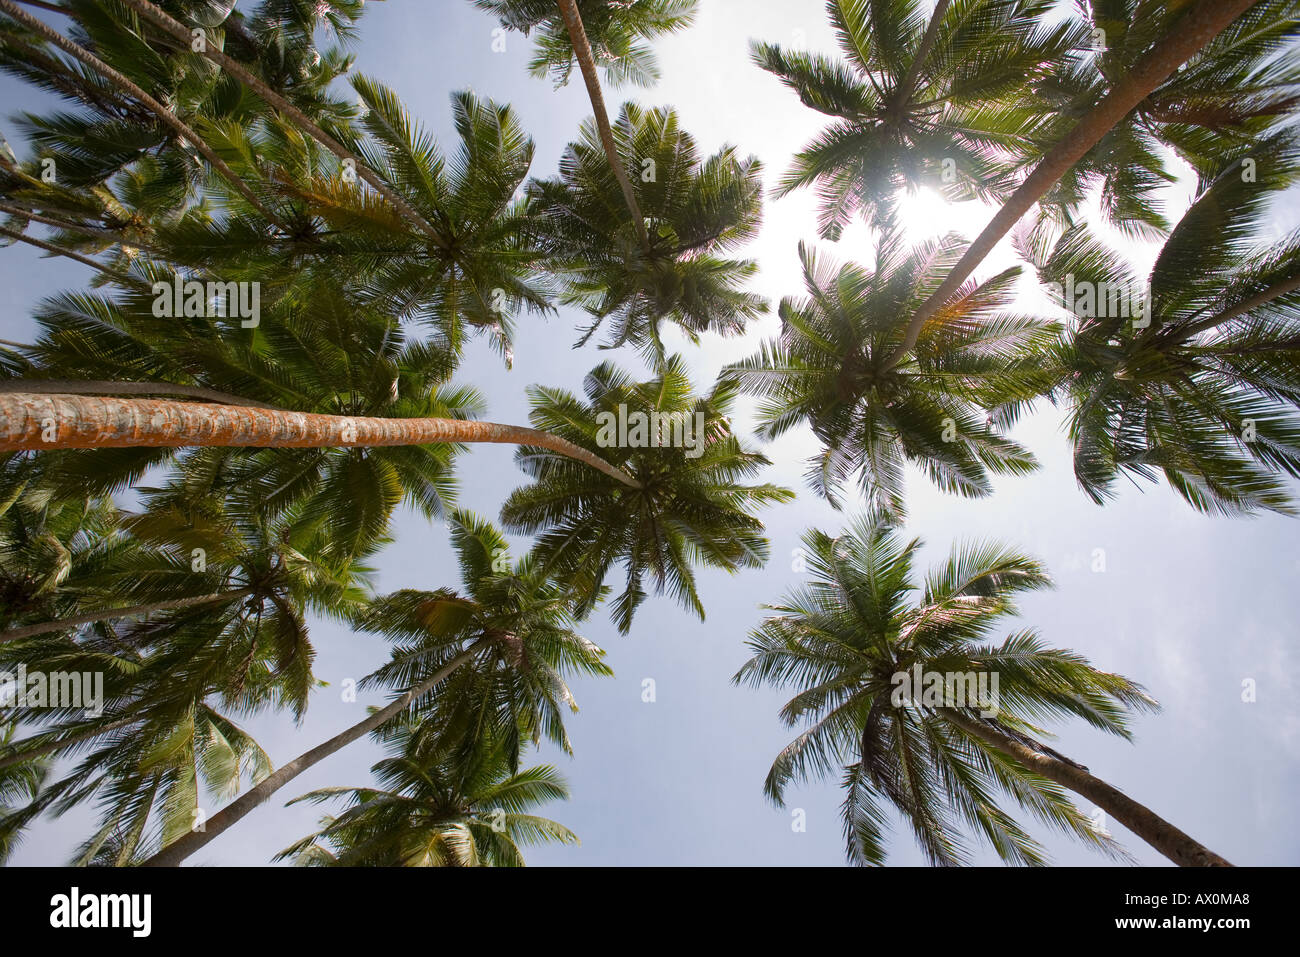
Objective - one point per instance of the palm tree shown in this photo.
(513, 628)
(180, 33)
(939, 753)
(320, 350)
(1196, 25)
(51, 547)
(696, 210)
(615, 34)
(436, 809)
(942, 101)
(84, 422)
(200, 553)
(1202, 385)
(688, 505)
(127, 87)
(942, 410)
(1221, 101)
(619, 30)
(19, 782)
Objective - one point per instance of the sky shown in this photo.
(1188, 605)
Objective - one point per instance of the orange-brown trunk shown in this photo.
(37, 422)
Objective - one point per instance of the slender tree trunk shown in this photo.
(296, 116)
(105, 234)
(131, 611)
(1280, 288)
(125, 84)
(32, 422)
(41, 750)
(908, 86)
(110, 387)
(587, 65)
(1141, 820)
(1193, 30)
(75, 256)
(174, 853)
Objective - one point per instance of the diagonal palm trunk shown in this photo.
(174, 853)
(105, 234)
(908, 86)
(122, 278)
(34, 422)
(60, 744)
(587, 64)
(1141, 820)
(1197, 27)
(130, 611)
(296, 116)
(1264, 297)
(125, 84)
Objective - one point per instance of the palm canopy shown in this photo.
(477, 274)
(616, 30)
(53, 549)
(19, 783)
(1206, 394)
(516, 622)
(697, 210)
(1243, 82)
(690, 507)
(862, 619)
(943, 104)
(436, 808)
(485, 268)
(941, 409)
(112, 127)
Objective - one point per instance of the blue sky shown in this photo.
(1188, 605)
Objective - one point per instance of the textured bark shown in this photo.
(1141, 820)
(587, 65)
(178, 850)
(124, 83)
(296, 116)
(130, 611)
(1194, 30)
(109, 387)
(92, 422)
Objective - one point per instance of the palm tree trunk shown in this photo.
(1280, 288)
(125, 84)
(94, 232)
(123, 278)
(59, 744)
(131, 611)
(296, 116)
(1194, 30)
(110, 387)
(33, 423)
(908, 86)
(1141, 820)
(587, 64)
(178, 850)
